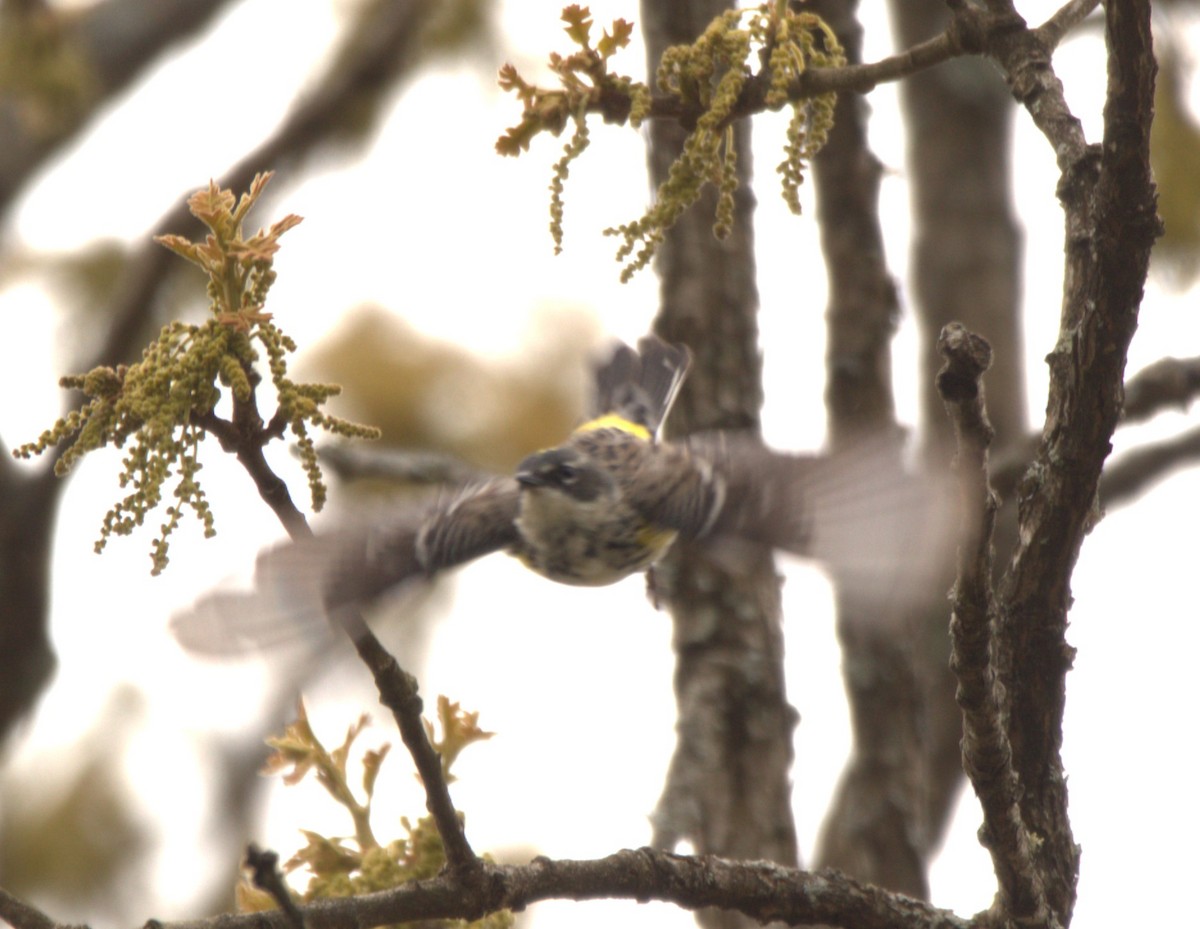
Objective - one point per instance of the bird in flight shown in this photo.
(607, 503)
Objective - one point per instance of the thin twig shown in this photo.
(1064, 19)
(265, 874)
(398, 692)
(245, 437)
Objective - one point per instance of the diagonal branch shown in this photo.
(94, 54)
(382, 50)
(245, 436)
(1064, 19)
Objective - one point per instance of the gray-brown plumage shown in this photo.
(607, 503)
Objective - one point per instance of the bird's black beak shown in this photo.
(530, 477)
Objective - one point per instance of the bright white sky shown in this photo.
(460, 207)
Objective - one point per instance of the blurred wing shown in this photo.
(880, 530)
(298, 583)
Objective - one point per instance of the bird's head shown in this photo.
(567, 471)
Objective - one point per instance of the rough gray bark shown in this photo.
(728, 790)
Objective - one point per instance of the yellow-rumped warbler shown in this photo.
(607, 503)
(578, 520)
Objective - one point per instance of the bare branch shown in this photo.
(986, 750)
(1167, 383)
(1108, 197)
(22, 915)
(1135, 471)
(761, 890)
(398, 692)
(1064, 19)
(102, 47)
(265, 873)
(1024, 57)
(399, 466)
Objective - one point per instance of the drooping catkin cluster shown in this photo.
(746, 61)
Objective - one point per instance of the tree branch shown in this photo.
(971, 31)
(1108, 198)
(375, 54)
(398, 692)
(22, 915)
(986, 750)
(728, 786)
(1136, 470)
(1064, 19)
(103, 47)
(266, 876)
(353, 462)
(1167, 383)
(370, 59)
(874, 826)
(763, 891)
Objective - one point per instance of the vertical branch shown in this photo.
(728, 789)
(986, 748)
(874, 827)
(965, 266)
(1109, 204)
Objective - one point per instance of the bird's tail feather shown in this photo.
(641, 385)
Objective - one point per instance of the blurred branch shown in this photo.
(728, 787)
(382, 49)
(353, 462)
(874, 825)
(1167, 383)
(28, 506)
(385, 46)
(89, 57)
(1135, 471)
(21, 915)
(1064, 19)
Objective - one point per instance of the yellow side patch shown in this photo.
(615, 421)
(654, 538)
